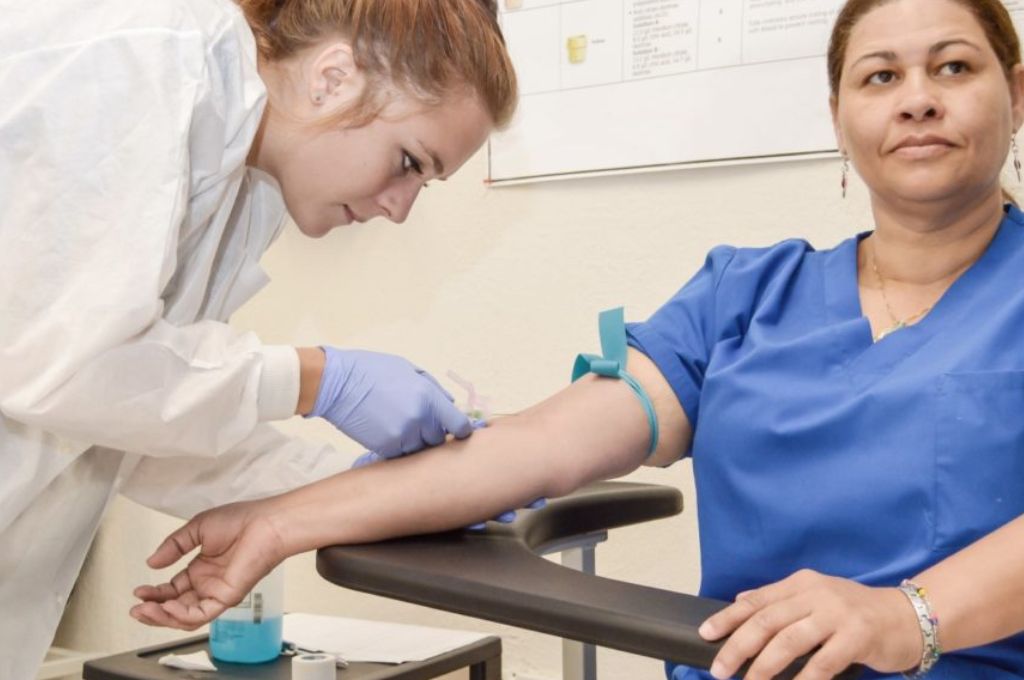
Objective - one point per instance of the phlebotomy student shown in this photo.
(149, 153)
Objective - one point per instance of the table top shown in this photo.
(142, 664)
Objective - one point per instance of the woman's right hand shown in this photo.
(386, 403)
(239, 544)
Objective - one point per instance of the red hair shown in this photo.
(430, 49)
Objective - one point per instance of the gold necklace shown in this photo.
(898, 323)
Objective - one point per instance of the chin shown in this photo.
(313, 229)
(928, 188)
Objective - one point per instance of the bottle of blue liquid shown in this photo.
(250, 632)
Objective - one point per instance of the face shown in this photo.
(332, 176)
(924, 110)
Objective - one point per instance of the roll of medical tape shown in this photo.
(313, 667)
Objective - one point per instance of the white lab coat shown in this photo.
(130, 229)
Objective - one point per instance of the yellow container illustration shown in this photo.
(577, 45)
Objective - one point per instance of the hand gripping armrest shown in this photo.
(498, 575)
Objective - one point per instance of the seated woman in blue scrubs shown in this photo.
(855, 415)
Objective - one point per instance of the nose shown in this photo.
(396, 201)
(920, 99)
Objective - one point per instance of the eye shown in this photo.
(880, 78)
(954, 68)
(410, 163)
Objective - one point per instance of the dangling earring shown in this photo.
(1016, 156)
(846, 173)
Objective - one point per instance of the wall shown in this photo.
(502, 285)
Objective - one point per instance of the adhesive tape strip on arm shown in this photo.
(313, 667)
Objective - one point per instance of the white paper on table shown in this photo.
(197, 661)
(372, 641)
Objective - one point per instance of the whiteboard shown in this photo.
(625, 85)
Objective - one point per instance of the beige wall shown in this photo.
(502, 285)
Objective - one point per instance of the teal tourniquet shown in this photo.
(613, 364)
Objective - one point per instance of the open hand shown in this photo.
(850, 622)
(238, 544)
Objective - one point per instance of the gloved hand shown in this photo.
(386, 403)
(507, 517)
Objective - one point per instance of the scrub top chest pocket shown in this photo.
(979, 455)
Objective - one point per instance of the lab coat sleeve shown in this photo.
(264, 464)
(94, 186)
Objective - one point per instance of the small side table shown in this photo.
(483, 658)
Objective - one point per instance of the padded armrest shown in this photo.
(498, 575)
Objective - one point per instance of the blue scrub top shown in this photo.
(816, 447)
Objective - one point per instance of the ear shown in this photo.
(334, 81)
(833, 106)
(1016, 81)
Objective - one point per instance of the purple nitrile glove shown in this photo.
(371, 457)
(509, 516)
(386, 403)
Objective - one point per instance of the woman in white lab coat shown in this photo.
(150, 153)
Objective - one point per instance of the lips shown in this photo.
(919, 141)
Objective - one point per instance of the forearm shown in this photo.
(594, 429)
(978, 593)
(311, 369)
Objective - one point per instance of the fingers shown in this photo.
(175, 614)
(151, 614)
(832, 659)
(368, 458)
(788, 645)
(164, 613)
(170, 608)
(506, 517)
(179, 585)
(776, 625)
(160, 593)
(174, 547)
(760, 627)
(432, 379)
(431, 435)
(454, 421)
(509, 516)
(190, 613)
(432, 431)
(730, 618)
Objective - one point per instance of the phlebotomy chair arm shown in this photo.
(499, 575)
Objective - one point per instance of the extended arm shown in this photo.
(594, 429)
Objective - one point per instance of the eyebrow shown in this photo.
(889, 55)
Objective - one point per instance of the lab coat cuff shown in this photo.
(279, 383)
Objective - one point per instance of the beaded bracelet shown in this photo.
(929, 628)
